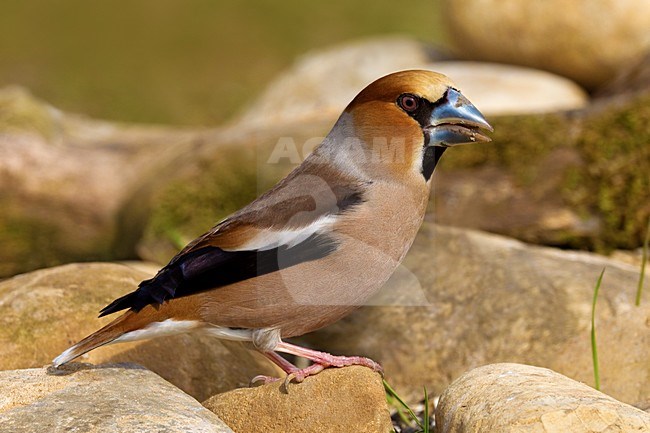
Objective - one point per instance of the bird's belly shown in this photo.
(304, 297)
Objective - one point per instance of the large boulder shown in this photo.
(501, 90)
(588, 41)
(465, 298)
(521, 399)
(117, 398)
(44, 312)
(349, 399)
(556, 178)
(631, 81)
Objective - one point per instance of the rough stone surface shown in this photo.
(588, 41)
(118, 398)
(350, 399)
(517, 398)
(507, 90)
(44, 312)
(556, 178)
(464, 299)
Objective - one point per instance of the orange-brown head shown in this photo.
(405, 120)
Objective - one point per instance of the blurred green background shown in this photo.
(190, 62)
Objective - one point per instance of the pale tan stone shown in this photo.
(350, 399)
(515, 398)
(117, 398)
(589, 41)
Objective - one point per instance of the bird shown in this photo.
(319, 243)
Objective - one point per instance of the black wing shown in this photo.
(211, 267)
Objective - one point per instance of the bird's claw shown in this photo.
(263, 380)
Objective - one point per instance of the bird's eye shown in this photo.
(408, 103)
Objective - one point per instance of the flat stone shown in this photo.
(524, 399)
(500, 89)
(116, 398)
(350, 399)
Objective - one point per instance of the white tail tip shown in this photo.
(68, 355)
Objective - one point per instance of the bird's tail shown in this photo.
(109, 333)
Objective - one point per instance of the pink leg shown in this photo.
(321, 361)
(285, 365)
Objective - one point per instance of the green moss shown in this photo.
(20, 111)
(615, 179)
(516, 139)
(191, 204)
(32, 240)
(610, 183)
(25, 244)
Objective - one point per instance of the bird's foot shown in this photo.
(327, 360)
(321, 361)
(331, 361)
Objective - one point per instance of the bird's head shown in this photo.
(405, 120)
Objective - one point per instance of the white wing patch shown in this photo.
(269, 239)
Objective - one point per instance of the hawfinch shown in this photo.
(320, 242)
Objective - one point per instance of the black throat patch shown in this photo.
(430, 159)
(431, 154)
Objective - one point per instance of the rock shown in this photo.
(79, 189)
(520, 398)
(512, 90)
(117, 398)
(571, 193)
(464, 299)
(558, 36)
(633, 80)
(555, 178)
(335, 400)
(320, 84)
(44, 312)
(64, 178)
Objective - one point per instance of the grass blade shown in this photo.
(594, 349)
(425, 417)
(393, 394)
(644, 260)
(392, 401)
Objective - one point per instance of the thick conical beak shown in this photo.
(456, 121)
